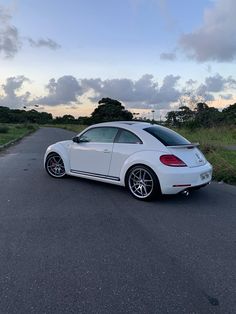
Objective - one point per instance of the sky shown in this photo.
(63, 56)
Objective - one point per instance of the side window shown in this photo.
(128, 137)
(100, 135)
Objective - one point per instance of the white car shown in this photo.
(148, 159)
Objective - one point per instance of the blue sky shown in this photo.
(66, 55)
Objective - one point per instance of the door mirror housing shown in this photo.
(75, 139)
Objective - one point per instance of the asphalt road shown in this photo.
(78, 246)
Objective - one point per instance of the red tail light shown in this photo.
(172, 161)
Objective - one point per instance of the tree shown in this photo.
(229, 114)
(207, 116)
(171, 118)
(110, 110)
(185, 115)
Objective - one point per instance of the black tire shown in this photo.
(54, 166)
(142, 183)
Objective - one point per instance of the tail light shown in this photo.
(172, 161)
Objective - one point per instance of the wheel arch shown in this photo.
(143, 165)
(61, 151)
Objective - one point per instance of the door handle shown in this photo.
(106, 151)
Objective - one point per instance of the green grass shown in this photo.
(14, 131)
(224, 165)
(213, 136)
(70, 127)
(213, 143)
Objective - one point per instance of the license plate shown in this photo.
(205, 175)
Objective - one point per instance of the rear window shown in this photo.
(166, 136)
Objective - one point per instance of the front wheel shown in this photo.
(142, 183)
(55, 166)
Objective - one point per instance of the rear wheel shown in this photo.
(55, 166)
(142, 183)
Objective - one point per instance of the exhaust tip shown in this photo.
(185, 193)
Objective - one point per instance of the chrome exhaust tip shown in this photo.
(185, 193)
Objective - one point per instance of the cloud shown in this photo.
(215, 83)
(10, 88)
(48, 43)
(171, 56)
(63, 91)
(203, 94)
(144, 92)
(10, 42)
(216, 39)
(218, 83)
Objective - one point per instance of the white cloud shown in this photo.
(10, 41)
(63, 91)
(10, 88)
(144, 92)
(216, 38)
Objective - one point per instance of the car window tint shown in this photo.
(128, 137)
(166, 136)
(100, 135)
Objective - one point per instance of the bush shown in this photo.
(30, 127)
(4, 129)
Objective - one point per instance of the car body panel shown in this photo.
(192, 157)
(90, 157)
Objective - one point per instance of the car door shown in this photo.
(92, 155)
(126, 144)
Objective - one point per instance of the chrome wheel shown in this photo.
(55, 166)
(141, 182)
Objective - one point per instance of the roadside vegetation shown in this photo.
(77, 128)
(215, 130)
(13, 132)
(215, 144)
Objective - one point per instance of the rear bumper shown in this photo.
(175, 180)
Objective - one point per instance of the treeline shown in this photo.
(110, 110)
(202, 116)
(8, 115)
(107, 110)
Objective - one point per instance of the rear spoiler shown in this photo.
(191, 145)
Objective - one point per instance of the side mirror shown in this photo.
(75, 139)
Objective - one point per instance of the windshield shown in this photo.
(166, 136)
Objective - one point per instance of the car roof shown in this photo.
(125, 124)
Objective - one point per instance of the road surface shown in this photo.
(77, 246)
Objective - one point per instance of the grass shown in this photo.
(224, 164)
(13, 132)
(213, 143)
(218, 137)
(70, 127)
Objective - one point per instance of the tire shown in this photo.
(142, 183)
(55, 166)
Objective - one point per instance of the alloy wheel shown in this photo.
(141, 182)
(55, 166)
